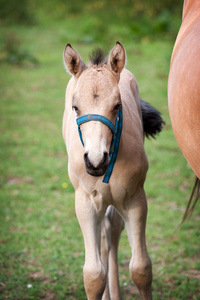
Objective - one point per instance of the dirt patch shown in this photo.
(192, 273)
(17, 179)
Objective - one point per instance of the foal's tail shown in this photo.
(193, 198)
(152, 120)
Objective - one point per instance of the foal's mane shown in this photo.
(97, 57)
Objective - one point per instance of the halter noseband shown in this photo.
(116, 130)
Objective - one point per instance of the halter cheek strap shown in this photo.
(116, 130)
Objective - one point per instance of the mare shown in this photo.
(97, 97)
(184, 90)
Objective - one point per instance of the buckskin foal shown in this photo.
(107, 165)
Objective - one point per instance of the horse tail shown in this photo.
(151, 118)
(193, 198)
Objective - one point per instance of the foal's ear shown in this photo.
(117, 59)
(73, 61)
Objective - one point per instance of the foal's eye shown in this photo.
(116, 107)
(75, 108)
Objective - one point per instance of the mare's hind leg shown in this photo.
(140, 264)
(117, 225)
(94, 272)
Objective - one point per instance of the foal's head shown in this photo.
(96, 92)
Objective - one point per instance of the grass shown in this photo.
(41, 246)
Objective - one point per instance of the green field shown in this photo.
(41, 245)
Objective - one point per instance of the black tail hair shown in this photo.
(152, 120)
(196, 196)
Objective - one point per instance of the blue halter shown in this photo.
(116, 130)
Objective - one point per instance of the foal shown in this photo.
(96, 96)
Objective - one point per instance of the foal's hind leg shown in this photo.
(94, 272)
(140, 264)
(117, 225)
(105, 249)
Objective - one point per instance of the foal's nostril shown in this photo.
(86, 160)
(105, 158)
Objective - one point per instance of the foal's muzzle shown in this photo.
(106, 165)
(98, 170)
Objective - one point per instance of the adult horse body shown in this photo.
(184, 85)
(103, 89)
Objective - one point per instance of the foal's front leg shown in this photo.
(140, 264)
(116, 227)
(94, 272)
